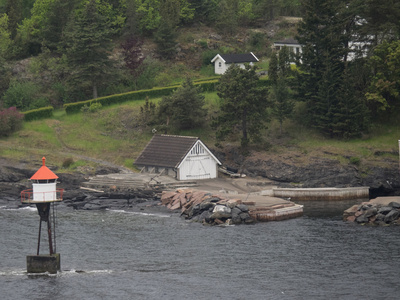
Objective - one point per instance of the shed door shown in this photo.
(198, 167)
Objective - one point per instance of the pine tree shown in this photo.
(184, 109)
(325, 35)
(243, 105)
(165, 39)
(88, 45)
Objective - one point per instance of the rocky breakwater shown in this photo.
(375, 212)
(207, 208)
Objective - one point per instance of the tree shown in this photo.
(14, 13)
(87, 47)
(282, 102)
(133, 56)
(205, 10)
(5, 49)
(165, 38)
(227, 21)
(325, 34)
(383, 93)
(243, 105)
(184, 109)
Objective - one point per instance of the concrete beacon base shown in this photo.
(43, 263)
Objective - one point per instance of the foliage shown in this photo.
(133, 55)
(282, 103)
(120, 98)
(92, 108)
(323, 73)
(39, 113)
(5, 37)
(10, 121)
(165, 39)
(383, 93)
(184, 108)
(88, 44)
(243, 105)
(227, 22)
(23, 95)
(148, 112)
(152, 14)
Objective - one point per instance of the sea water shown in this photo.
(150, 255)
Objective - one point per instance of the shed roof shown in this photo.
(166, 150)
(44, 173)
(237, 58)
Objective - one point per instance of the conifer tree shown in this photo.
(88, 45)
(184, 109)
(325, 34)
(243, 105)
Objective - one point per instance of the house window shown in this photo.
(219, 64)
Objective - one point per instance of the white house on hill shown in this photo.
(183, 157)
(223, 61)
(292, 44)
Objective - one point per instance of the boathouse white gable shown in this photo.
(199, 163)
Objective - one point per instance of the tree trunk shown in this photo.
(94, 91)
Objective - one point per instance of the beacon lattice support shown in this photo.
(44, 194)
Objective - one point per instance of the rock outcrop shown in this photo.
(207, 208)
(374, 213)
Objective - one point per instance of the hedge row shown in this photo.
(40, 113)
(207, 86)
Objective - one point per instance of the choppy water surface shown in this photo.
(119, 255)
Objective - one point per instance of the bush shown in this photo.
(207, 56)
(10, 121)
(67, 162)
(93, 107)
(355, 160)
(22, 95)
(37, 114)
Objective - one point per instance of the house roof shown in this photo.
(236, 58)
(44, 173)
(166, 150)
(288, 41)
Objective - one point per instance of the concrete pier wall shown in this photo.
(322, 193)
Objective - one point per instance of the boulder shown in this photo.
(392, 216)
(394, 205)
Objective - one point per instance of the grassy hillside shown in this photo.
(116, 135)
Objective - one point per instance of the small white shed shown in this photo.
(183, 157)
(223, 61)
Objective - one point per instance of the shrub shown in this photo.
(22, 95)
(67, 162)
(37, 114)
(355, 160)
(93, 107)
(207, 56)
(10, 121)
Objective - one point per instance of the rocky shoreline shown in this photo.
(14, 179)
(382, 211)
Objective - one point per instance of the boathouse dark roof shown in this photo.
(239, 58)
(166, 150)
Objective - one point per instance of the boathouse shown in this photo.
(182, 157)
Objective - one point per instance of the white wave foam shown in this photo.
(28, 208)
(138, 213)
